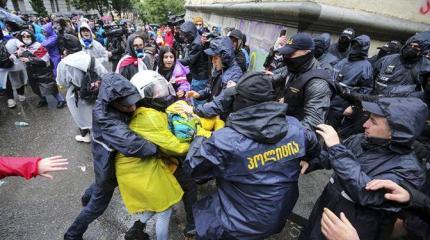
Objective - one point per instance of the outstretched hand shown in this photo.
(329, 135)
(394, 191)
(51, 164)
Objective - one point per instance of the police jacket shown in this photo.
(111, 133)
(255, 161)
(393, 74)
(327, 59)
(196, 59)
(308, 94)
(334, 49)
(359, 160)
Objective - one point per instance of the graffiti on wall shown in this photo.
(425, 7)
(260, 38)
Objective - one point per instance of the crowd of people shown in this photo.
(180, 107)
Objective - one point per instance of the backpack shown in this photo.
(90, 85)
(5, 61)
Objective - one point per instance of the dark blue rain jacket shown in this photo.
(359, 160)
(255, 161)
(110, 130)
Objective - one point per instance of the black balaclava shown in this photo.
(319, 49)
(410, 54)
(356, 52)
(299, 64)
(343, 43)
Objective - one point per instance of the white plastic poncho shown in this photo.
(70, 72)
(17, 74)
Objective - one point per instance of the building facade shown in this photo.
(52, 6)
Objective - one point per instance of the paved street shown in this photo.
(41, 209)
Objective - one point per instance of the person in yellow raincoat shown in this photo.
(148, 186)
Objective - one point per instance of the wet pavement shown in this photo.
(42, 209)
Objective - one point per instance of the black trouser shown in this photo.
(99, 201)
(84, 132)
(9, 89)
(190, 192)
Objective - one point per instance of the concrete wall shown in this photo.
(413, 10)
(260, 36)
(399, 19)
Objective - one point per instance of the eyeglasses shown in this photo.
(25, 36)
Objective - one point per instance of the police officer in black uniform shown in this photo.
(308, 90)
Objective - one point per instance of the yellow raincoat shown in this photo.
(148, 184)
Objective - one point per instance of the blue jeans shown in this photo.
(198, 85)
(100, 199)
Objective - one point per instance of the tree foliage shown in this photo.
(39, 7)
(100, 5)
(122, 6)
(157, 11)
(3, 3)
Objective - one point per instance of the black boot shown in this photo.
(136, 232)
(61, 104)
(42, 103)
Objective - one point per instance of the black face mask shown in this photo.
(298, 64)
(356, 53)
(410, 54)
(382, 53)
(343, 43)
(319, 51)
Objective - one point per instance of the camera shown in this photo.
(115, 31)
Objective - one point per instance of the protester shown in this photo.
(91, 46)
(39, 69)
(173, 71)
(382, 152)
(67, 42)
(71, 73)
(51, 44)
(200, 25)
(159, 189)
(111, 134)
(196, 59)
(135, 60)
(226, 70)
(242, 56)
(254, 194)
(12, 71)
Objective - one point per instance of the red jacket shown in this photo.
(19, 166)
